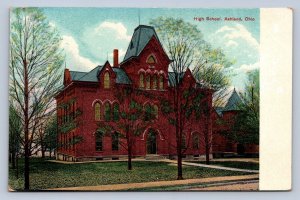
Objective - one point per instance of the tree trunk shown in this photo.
(129, 157)
(13, 160)
(179, 164)
(43, 152)
(26, 128)
(17, 166)
(50, 151)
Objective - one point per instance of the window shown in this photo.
(97, 111)
(151, 60)
(142, 81)
(147, 112)
(154, 82)
(183, 141)
(107, 111)
(115, 141)
(99, 141)
(116, 112)
(161, 82)
(148, 82)
(195, 141)
(155, 109)
(106, 80)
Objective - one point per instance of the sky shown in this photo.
(89, 35)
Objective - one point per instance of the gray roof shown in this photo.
(92, 76)
(76, 75)
(226, 100)
(122, 77)
(141, 36)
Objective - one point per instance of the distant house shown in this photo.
(226, 106)
(144, 68)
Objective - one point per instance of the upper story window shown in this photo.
(106, 80)
(154, 86)
(97, 111)
(155, 110)
(107, 111)
(151, 60)
(148, 82)
(142, 80)
(161, 82)
(116, 116)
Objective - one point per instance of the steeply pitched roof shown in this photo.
(75, 76)
(122, 77)
(227, 100)
(92, 76)
(141, 36)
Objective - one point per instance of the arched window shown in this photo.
(142, 85)
(161, 82)
(106, 80)
(99, 141)
(155, 110)
(154, 86)
(196, 141)
(116, 112)
(151, 60)
(107, 111)
(97, 111)
(115, 141)
(148, 82)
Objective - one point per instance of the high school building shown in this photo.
(93, 99)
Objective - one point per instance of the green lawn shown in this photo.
(45, 174)
(234, 164)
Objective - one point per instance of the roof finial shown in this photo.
(107, 56)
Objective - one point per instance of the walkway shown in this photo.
(132, 186)
(219, 167)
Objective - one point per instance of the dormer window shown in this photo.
(106, 80)
(148, 82)
(151, 60)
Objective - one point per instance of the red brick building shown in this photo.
(93, 93)
(225, 110)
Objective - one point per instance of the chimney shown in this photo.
(116, 57)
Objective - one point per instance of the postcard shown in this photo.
(150, 99)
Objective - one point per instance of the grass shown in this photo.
(44, 174)
(233, 164)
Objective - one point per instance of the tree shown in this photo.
(211, 70)
(130, 119)
(180, 38)
(50, 138)
(15, 130)
(35, 72)
(245, 129)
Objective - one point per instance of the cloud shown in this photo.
(115, 28)
(247, 68)
(231, 43)
(74, 60)
(238, 32)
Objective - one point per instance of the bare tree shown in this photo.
(35, 72)
(129, 119)
(180, 38)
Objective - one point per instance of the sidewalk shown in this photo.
(157, 184)
(219, 167)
